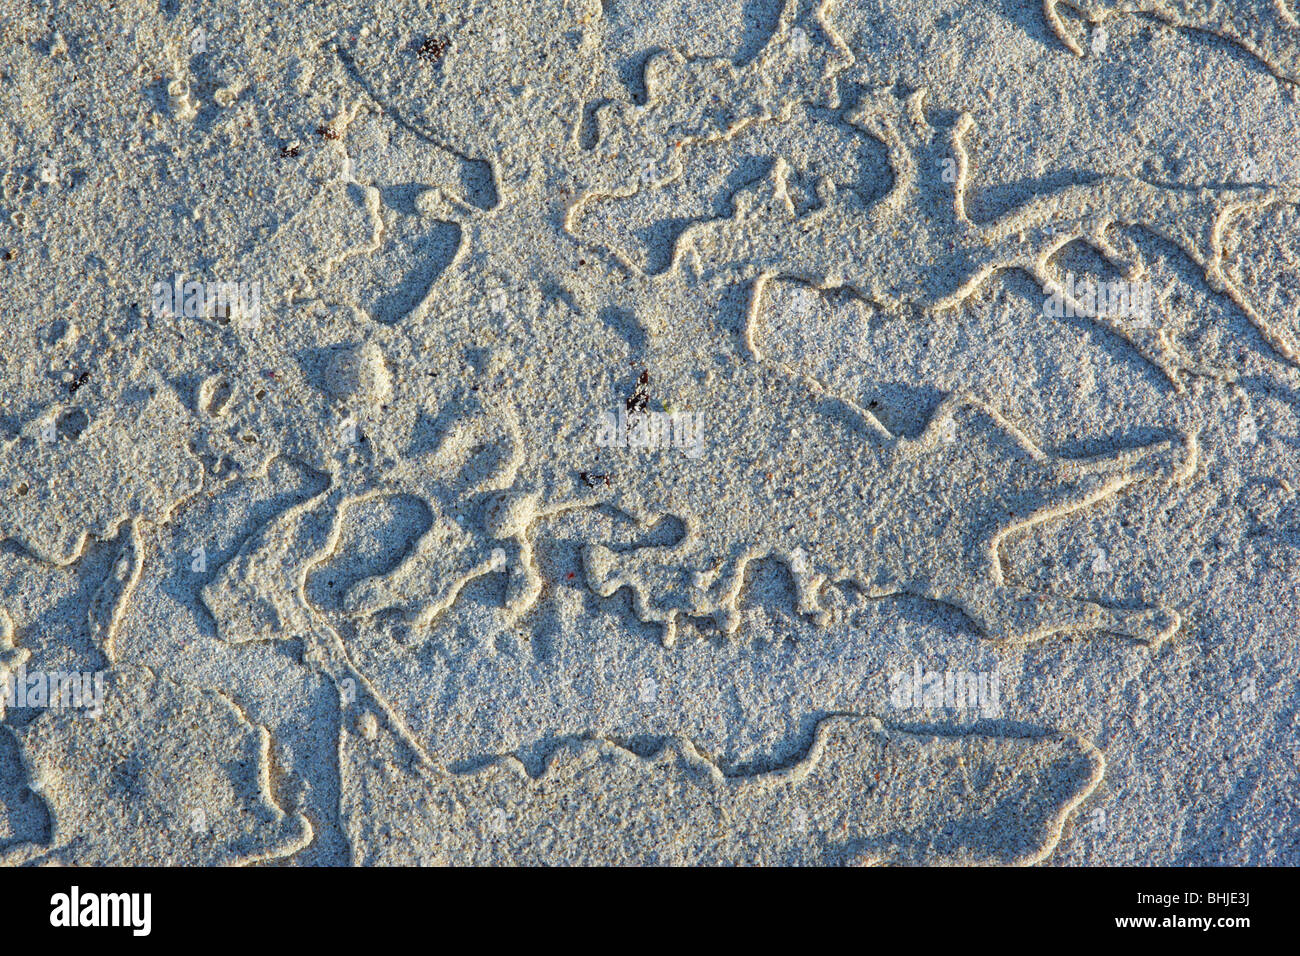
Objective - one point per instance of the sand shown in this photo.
(768, 432)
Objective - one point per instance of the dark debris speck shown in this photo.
(640, 397)
(432, 49)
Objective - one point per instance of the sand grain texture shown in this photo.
(632, 397)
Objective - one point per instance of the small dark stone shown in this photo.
(432, 49)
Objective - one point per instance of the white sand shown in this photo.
(635, 398)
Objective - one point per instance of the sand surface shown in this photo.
(564, 431)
